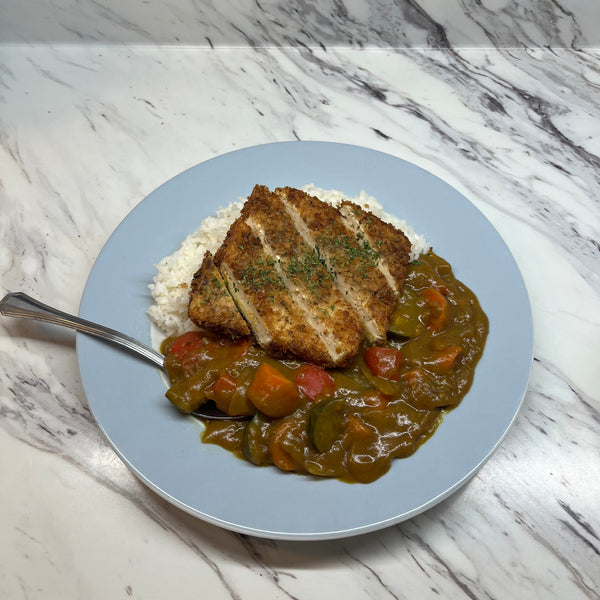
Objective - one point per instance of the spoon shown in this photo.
(19, 304)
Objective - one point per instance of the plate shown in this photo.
(163, 448)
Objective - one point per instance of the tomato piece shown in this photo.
(273, 393)
(384, 362)
(439, 309)
(222, 391)
(230, 396)
(186, 343)
(314, 382)
(224, 385)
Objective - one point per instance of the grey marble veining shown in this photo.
(87, 131)
(308, 23)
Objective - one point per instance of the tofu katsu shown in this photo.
(256, 282)
(392, 246)
(307, 280)
(348, 255)
(305, 276)
(211, 306)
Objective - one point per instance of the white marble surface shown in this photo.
(87, 130)
(313, 23)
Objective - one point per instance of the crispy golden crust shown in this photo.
(349, 256)
(391, 244)
(305, 276)
(307, 280)
(211, 306)
(255, 280)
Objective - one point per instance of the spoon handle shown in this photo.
(18, 304)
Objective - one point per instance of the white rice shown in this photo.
(170, 286)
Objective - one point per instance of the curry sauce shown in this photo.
(348, 423)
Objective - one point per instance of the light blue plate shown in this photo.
(163, 448)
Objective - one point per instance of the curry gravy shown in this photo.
(348, 423)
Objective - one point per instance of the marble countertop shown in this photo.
(97, 109)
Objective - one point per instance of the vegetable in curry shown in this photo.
(345, 423)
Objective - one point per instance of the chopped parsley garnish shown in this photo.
(310, 270)
(260, 275)
(352, 251)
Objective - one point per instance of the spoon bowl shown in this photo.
(21, 305)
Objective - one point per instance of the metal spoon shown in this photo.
(19, 304)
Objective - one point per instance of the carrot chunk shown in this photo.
(282, 458)
(439, 309)
(358, 430)
(273, 393)
(442, 362)
(413, 377)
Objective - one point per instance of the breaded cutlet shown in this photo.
(348, 255)
(255, 280)
(305, 276)
(392, 246)
(211, 306)
(307, 280)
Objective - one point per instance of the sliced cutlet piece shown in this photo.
(391, 244)
(306, 277)
(211, 306)
(348, 256)
(254, 279)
